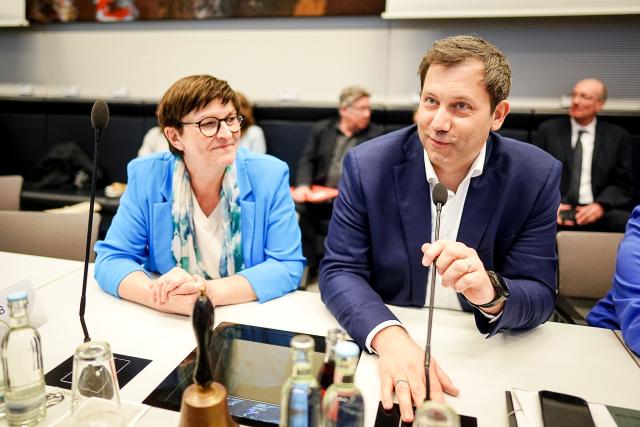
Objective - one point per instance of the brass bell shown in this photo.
(204, 403)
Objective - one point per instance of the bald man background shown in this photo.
(597, 179)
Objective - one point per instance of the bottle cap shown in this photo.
(303, 342)
(17, 296)
(346, 349)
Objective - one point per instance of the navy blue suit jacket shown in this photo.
(383, 216)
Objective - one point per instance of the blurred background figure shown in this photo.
(252, 137)
(321, 164)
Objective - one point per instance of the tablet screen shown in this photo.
(251, 362)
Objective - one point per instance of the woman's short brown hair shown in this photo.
(188, 94)
(246, 110)
(457, 49)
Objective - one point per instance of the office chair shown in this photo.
(55, 235)
(10, 189)
(586, 264)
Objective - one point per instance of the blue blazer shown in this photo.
(139, 237)
(620, 308)
(383, 216)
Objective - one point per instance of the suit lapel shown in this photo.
(482, 199)
(598, 153)
(247, 207)
(162, 231)
(567, 151)
(414, 201)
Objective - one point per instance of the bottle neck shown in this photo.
(345, 371)
(302, 366)
(330, 352)
(18, 315)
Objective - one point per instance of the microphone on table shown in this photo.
(95, 379)
(430, 412)
(439, 198)
(99, 121)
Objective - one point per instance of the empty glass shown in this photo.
(95, 395)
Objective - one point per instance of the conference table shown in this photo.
(587, 362)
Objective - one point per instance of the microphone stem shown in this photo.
(98, 135)
(432, 286)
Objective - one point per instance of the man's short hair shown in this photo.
(457, 49)
(351, 94)
(188, 94)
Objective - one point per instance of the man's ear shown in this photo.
(499, 114)
(174, 138)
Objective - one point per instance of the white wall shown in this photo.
(313, 58)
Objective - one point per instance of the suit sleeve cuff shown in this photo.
(377, 329)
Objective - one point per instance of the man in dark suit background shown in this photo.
(597, 180)
(321, 164)
(496, 256)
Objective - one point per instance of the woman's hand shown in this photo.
(176, 281)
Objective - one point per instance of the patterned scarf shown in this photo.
(185, 250)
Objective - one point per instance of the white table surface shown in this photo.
(587, 362)
(39, 270)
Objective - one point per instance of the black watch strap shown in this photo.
(499, 286)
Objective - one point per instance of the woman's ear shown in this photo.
(174, 138)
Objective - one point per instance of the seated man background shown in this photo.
(597, 179)
(497, 256)
(620, 308)
(321, 164)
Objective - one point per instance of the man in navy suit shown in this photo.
(496, 256)
(597, 176)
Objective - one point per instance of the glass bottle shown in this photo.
(3, 331)
(301, 392)
(343, 405)
(24, 387)
(325, 375)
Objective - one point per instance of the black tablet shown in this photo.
(251, 362)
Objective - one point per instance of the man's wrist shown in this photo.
(385, 338)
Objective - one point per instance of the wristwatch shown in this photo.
(499, 286)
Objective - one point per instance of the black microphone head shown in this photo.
(440, 194)
(100, 114)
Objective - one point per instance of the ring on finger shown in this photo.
(468, 267)
(400, 380)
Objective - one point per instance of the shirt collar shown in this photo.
(590, 128)
(476, 169)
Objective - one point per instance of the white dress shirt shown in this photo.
(209, 237)
(449, 224)
(587, 141)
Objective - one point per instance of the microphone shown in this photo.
(439, 198)
(99, 121)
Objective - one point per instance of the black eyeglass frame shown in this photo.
(239, 117)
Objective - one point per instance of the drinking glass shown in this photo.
(95, 397)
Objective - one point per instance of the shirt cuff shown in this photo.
(492, 318)
(377, 329)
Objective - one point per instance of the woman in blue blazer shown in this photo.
(205, 216)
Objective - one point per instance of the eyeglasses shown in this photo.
(210, 126)
(360, 110)
(584, 97)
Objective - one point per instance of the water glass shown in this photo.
(95, 392)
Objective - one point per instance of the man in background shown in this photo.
(321, 164)
(597, 179)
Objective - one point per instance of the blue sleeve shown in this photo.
(626, 283)
(124, 249)
(281, 268)
(345, 270)
(529, 268)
